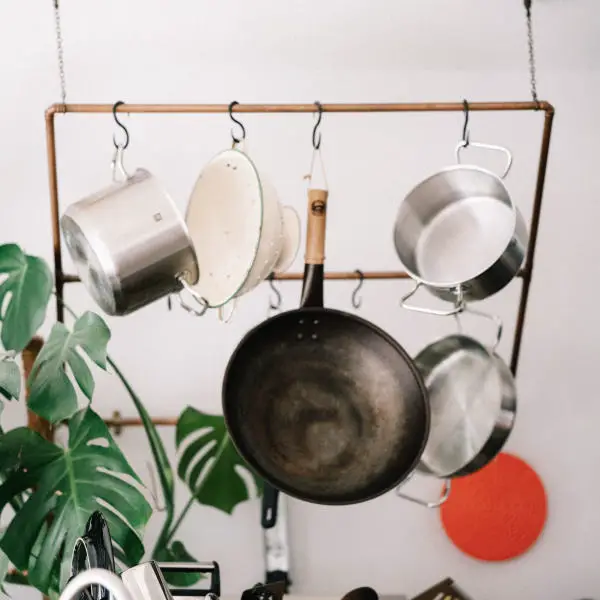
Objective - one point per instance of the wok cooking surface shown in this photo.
(323, 404)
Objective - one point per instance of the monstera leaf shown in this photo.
(209, 462)
(52, 395)
(27, 285)
(69, 484)
(10, 379)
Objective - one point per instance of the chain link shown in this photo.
(59, 51)
(531, 47)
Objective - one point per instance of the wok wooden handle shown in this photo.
(315, 228)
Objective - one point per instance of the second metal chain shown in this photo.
(60, 53)
(531, 47)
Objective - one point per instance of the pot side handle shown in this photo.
(435, 504)
(463, 144)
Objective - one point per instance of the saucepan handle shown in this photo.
(425, 503)
(463, 144)
(495, 318)
(459, 307)
(201, 304)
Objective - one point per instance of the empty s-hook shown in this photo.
(118, 122)
(316, 141)
(274, 305)
(465, 131)
(356, 301)
(238, 123)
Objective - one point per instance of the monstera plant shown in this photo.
(49, 489)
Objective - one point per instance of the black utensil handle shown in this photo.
(200, 567)
(270, 501)
(312, 284)
(279, 576)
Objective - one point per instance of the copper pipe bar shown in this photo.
(54, 213)
(534, 227)
(119, 422)
(336, 275)
(295, 108)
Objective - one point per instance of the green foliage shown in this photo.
(177, 552)
(70, 484)
(52, 394)
(10, 379)
(26, 290)
(209, 463)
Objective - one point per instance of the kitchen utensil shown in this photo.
(129, 243)
(458, 232)
(94, 550)
(497, 513)
(235, 220)
(275, 536)
(96, 577)
(146, 582)
(210, 568)
(473, 398)
(322, 404)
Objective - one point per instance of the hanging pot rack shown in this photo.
(525, 275)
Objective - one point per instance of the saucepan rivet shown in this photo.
(316, 322)
(314, 336)
(300, 336)
(301, 322)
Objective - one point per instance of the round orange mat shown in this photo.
(497, 513)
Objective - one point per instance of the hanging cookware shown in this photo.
(235, 220)
(322, 404)
(458, 232)
(129, 242)
(473, 400)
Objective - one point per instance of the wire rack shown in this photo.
(525, 275)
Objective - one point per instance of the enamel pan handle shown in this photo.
(427, 504)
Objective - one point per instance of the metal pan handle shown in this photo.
(463, 144)
(458, 308)
(425, 503)
(200, 567)
(224, 316)
(495, 318)
(201, 302)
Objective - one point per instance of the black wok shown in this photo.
(322, 404)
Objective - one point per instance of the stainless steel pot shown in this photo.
(473, 399)
(129, 243)
(458, 232)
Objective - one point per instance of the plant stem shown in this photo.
(177, 523)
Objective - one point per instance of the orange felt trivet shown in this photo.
(497, 513)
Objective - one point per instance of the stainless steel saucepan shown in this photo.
(129, 243)
(458, 232)
(473, 399)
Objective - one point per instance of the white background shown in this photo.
(337, 51)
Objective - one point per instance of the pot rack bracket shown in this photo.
(61, 278)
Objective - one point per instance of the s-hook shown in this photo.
(116, 118)
(316, 142)
(356, 301)
(233, 138)
(465, 131)
(274, 305)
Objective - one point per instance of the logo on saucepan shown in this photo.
(318, 208)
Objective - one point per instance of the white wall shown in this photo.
(159, 51)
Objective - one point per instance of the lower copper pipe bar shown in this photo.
(118, 422)
(336, 275)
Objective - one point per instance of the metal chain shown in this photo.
(530, 44)
(60, 54)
